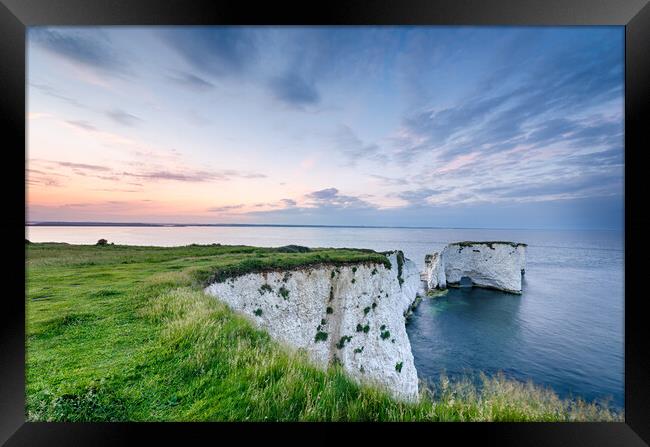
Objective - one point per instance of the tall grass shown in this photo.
(139, 341)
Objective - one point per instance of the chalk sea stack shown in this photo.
(493, 264)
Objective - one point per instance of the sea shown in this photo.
(564, 332)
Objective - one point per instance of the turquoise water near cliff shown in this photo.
(565, 331)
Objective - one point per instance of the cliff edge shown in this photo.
(353, 315)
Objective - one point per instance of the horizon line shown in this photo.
(159, 224)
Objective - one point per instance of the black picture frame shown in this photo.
(16, 15)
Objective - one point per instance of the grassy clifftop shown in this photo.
(203, 263)
(117, 333)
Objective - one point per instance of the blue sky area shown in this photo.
(495, 127)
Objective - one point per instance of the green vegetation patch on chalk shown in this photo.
(400, 267)
(320, 336)
(489, 243)
(436, 293)
(260, 260)
(345, 339)
(265, 288)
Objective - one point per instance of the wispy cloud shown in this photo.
(191, 81)
(294, 90)
(225, 208)
(123, 118)
(55, 93)
(390, 181)
(217, 51)
(526, 107)
(85, 125)
(36, 177)
(90, 49)
(354, 149)
(332, 198)
(420, 197)
(180, 173)
(82, 166)
(194, 176)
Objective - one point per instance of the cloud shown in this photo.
(233, 53)
(438, 127)
(282, 204)
(419, 197)
(82, 166)
(197, 119)
(54, 93)
(525, 106)
(36, 177)
(50, 172)
(85, 125)
(331, 198)
(563, 187)
(551, 131)
(146, 171)
(355, 149)
(225, 208)
(390, 181)
(324, 202)
(323, 194)
(294, 90)
(191, 81)
(124, 118)
(215, 50)
(76, 205)
(194, 176)
(90, 48)
(314, 57)
(119, 190)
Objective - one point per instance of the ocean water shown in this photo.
(565, 331)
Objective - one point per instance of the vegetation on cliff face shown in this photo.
(489, 243)
(118, 333)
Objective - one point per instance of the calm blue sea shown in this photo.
(565, 331)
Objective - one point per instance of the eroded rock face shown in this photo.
(497, 265)
(353, 315)
(434, 272)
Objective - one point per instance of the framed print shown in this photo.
(335, 217)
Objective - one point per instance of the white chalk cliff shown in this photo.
(495, 265)
(351, 314)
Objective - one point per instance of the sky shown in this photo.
(465, 127)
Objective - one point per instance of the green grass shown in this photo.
(118, 333)
(489, 243)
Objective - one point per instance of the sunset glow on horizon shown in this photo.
(399, 126)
